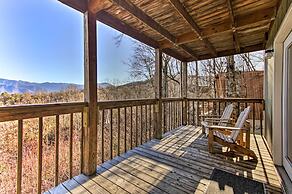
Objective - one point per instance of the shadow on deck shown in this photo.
(179, 163)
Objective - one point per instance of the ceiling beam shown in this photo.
(266, 37)
(115, 23)
(247, 49)
(76, 4)
(142, 16)
(243, 21)
(97, 5)
(233, 25)
(184, 13)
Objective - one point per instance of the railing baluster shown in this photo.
(198, 112)
(175, 105)
(102, 135)
(193, 111)
(19, 155)
(40, 153)
(111, 133)
(125, 135)
(261, 118)
(253, 117)
(131, 128)
(119, 130)
(188, 112)
(203, 108)
(208, 108)
(150, 119)
(136, 125)
(81, 142)
(146, 121)
(57, 138)
(70, 145)
(141, 124)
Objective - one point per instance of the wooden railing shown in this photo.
(39, 115)
(127, 123)
(122, 125)
(171, 113)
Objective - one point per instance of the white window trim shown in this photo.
(281, 36)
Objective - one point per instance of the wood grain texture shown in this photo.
(90, 94)
(190, 30)
(178, 163)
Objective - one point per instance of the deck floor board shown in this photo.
(179, 163)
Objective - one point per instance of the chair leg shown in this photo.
(245, 151)
(203, 129)
(210, 141)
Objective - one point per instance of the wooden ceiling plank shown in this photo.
(124, 28)
(142, 16)
(259, 17)
(183, 12)
(233, 24)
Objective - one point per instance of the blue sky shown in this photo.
(42, 41)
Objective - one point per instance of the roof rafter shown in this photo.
(183, 12)
(113, 22)
(233, 25)
(243, 21)
(142, 16)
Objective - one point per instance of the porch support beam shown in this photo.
(97, 5)
(233, 25)
(89, 144)
(76, 4)
(158, 93)
(183, 12)
(183, 90)
(142, 16)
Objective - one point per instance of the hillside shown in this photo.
(18, 86)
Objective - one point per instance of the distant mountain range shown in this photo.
(18, 86)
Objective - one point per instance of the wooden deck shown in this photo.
(179, 163)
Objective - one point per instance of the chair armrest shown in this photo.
(213, 116)
(214, 127)
(216, 119)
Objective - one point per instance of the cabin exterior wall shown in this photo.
(273, 80)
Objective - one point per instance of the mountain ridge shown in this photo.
(20, 86)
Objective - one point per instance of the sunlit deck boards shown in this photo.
(179, 163)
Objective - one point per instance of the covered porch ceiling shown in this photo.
(188, 30)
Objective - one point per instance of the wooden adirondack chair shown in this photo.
(222, 121)
(234, 140)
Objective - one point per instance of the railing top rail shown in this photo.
(17, 112)
(171, 99)
(258, 100)
(124, 103)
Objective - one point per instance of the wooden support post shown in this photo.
(183, 91)
(158, 93)
(90, 94)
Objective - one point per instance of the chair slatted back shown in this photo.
(226, 115)
(240, 123)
